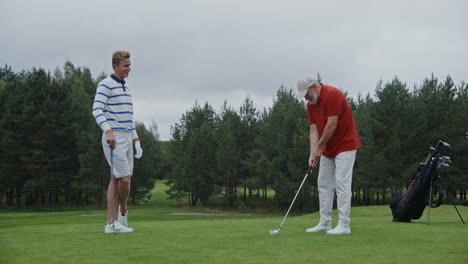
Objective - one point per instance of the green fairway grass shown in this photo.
(165, 233)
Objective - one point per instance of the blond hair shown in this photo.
(119, 56)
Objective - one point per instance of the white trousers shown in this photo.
(336, 174)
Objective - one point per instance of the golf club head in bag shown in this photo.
(277, 231)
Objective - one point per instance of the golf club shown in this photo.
(113, 190)
(276, 231)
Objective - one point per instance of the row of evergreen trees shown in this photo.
(241, 154)
(50, 152)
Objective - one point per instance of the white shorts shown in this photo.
(122, 155)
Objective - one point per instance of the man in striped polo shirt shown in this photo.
(113, 112)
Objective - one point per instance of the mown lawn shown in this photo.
(162, 236)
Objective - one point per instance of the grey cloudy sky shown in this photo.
(215, 50)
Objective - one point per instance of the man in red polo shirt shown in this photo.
(334, 139)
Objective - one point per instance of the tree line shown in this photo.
(50, 152)
(241, 154)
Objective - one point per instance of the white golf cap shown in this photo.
(303, 85)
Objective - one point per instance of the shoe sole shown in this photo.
(317, 231)
(118, 232)
(113, 231)
(346, 233)
(321, 230)
(123, 232)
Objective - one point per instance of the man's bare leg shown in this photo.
(124, 190)
(111, 190)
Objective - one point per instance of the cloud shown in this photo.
(208, 50)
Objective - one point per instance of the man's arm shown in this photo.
(313, 140)
(317, 149)
(100, 101)
(328, 132)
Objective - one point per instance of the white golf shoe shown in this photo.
(339, 230)
(116, 228)
(122, 218)
(318, 228)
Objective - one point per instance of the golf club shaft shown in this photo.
(113, 186)
(300, 187)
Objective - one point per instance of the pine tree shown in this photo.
(228, 157)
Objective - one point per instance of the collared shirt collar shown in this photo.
(119, 81)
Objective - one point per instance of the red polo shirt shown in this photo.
(333, 103)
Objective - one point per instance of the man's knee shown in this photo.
(125, 180)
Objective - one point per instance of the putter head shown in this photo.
(274, 232)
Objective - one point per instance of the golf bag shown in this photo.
(411, 204)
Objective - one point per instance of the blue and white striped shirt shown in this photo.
(113, 107)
